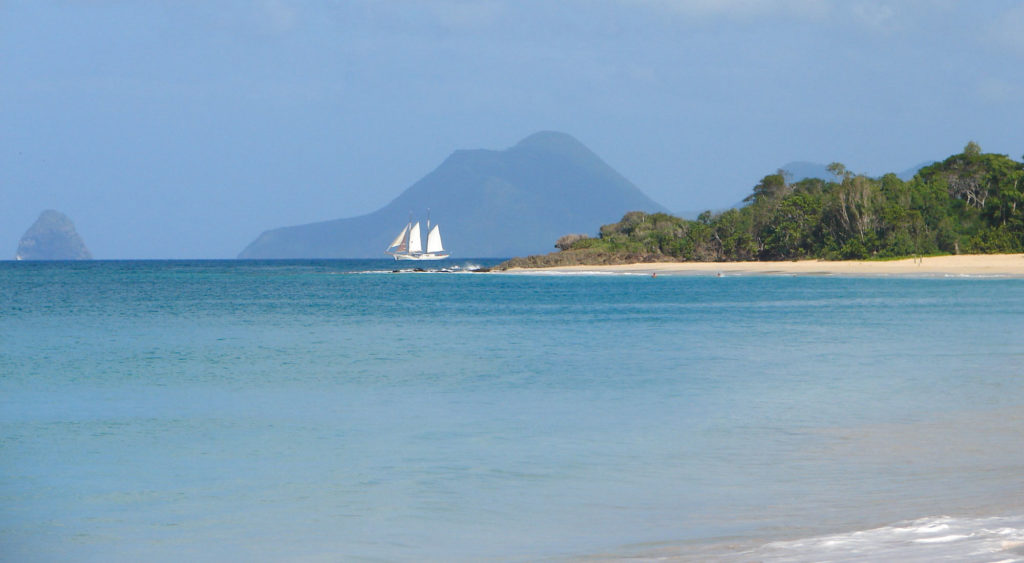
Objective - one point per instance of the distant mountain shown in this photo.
(800, 170)
(912, 171)
(488, 203)
(52, 237)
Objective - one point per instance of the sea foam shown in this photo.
(924, 539)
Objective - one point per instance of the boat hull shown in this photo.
(424, 256)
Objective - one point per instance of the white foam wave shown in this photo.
(979, 276)
(926, 539)
(453, 269)
(560, 273)
(943, 539)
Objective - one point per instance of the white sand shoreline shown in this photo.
(974, 265)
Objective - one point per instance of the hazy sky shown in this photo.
(181, 129)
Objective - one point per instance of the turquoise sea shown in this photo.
(336, 411)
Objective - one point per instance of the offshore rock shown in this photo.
(52, 237)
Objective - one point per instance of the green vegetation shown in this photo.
(969, 203)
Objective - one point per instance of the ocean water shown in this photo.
(336, 411)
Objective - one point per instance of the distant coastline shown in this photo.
(968, 204)
(981, 265)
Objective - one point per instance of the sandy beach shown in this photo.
(997, 265)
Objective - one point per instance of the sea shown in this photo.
(337, 410)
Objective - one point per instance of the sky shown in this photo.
(183, 129)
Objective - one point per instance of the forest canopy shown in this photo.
(971, 202)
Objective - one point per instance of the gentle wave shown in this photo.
(924, 539)
(576, 273)
(468, 268)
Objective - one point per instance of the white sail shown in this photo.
(415, 246)
(408, 245)
(434, 240)
(400, 239)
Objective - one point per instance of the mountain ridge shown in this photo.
(489, 203)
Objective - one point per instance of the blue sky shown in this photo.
(169, 129)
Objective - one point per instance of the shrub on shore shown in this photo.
(971, 202)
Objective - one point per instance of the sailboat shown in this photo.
(408, 245)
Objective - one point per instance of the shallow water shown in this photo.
(330, 410)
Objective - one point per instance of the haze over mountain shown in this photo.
(488, 204)
(52, 237)
(801, 170)
(796, 171)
